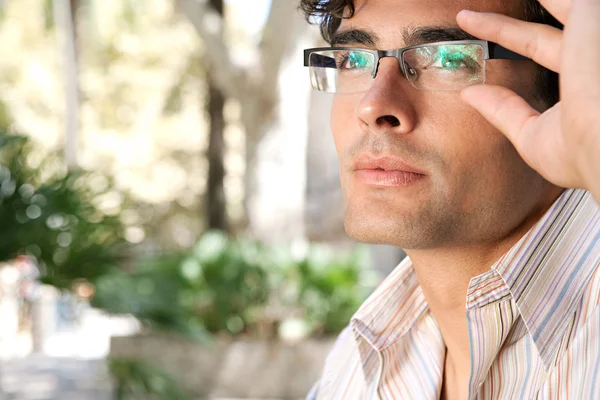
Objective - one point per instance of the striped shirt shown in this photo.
(533, 320)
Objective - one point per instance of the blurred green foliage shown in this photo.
(213, 288)
(225, 285)
(55, 216)
(155, 294)
(137, 380)
(330, 290)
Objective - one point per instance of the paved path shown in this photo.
(45, 378)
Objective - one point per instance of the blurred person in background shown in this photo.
(498, 297)
(28, 283)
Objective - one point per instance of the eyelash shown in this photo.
(339, 64)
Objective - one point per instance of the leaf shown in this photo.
(136, 379)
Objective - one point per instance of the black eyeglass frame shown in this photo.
(491, 51)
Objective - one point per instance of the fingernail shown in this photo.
(465, 13)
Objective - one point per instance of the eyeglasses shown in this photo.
(450, 65)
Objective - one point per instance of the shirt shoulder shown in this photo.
(577, 374)
(589, 305)
(342, 376)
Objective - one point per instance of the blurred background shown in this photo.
(170, 211)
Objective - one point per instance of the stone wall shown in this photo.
(242, 369)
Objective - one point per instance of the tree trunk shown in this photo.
(216, 204)
(66, 23)
(256, 87)
(74, 24)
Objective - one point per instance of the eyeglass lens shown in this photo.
(430, 67)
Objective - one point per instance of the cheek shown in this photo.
(343, 123)
(457, 130)
(469, 146)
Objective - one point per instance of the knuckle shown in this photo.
(532, 46)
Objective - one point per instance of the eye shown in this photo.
(453, 59)
(354, 60)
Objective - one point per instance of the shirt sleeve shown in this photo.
(314, 391)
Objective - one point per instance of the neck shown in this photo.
(444, 275)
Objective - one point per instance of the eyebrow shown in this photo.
(411, 36)
(354, 36)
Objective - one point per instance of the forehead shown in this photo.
(389, 18)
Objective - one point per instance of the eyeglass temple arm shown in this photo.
(498, 52)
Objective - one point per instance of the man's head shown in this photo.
(420, 169)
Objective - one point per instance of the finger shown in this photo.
(505, 110)
(541, 43)
(534, 136)
(558, 8)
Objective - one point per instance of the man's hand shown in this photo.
(563, 143)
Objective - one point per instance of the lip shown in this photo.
(386, 163)
(385, 171)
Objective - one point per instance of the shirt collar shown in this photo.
(544, 272)
(547, 270)
(392, 309)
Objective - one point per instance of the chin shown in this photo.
(375, 231)
(369, 236)
(416, 230)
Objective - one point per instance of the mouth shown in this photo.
(386, 163)
(386, 171)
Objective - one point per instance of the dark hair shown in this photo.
(329, 14)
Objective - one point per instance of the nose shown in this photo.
(385, 107)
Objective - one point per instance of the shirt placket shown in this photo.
(489, 326)
(490, 314)
(412, 367)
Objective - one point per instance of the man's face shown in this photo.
(449, 178)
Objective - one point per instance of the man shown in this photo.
(498, 297)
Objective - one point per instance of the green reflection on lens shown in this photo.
(359, 60)
(451, 57)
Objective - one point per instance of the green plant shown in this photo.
(56, 216)
(230, 286)
(230, 277)
(212, 288)
(138, 380)
(156, 294)
(330, 288)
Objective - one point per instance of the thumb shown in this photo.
(506, 111)
(502, 107)
(535, 137)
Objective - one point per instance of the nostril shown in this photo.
(389, 120)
